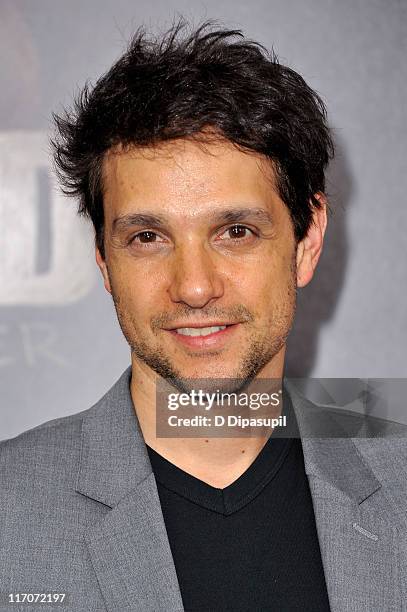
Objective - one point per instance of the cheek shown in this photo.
(274, 286)
(134, 280)
(139, 300)
(272, 272)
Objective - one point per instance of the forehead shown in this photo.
(185, 176)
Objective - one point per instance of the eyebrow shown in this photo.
(228, 215)
(143, 219)
(234, 215)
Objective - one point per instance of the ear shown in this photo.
(103, 268)
(310, 247)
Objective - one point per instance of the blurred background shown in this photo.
(60, 344)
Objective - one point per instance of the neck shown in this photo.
(216, 461)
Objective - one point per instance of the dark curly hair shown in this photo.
(176, 86)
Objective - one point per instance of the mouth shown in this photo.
(213, 335)
(199, 331)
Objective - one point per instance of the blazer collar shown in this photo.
(114, 458)
(330, 454)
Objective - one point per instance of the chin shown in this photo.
(210, 379)
(217, 369)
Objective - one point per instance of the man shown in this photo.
(200, 161)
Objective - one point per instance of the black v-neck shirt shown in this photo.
(251, 546)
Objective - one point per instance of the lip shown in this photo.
(200, 325)
(215, 340)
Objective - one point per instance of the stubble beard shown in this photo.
(263, 347)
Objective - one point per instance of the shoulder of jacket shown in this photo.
(52, 447)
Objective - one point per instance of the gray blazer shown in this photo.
(80, 514)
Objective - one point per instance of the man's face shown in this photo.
(197, 241)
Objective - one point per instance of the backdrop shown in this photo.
(60, 345)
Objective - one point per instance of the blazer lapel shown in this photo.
(361, 526)
(129, 547)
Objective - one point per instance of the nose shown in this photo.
(195, 280)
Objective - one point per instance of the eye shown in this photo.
(237, 233)
(146, 237)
